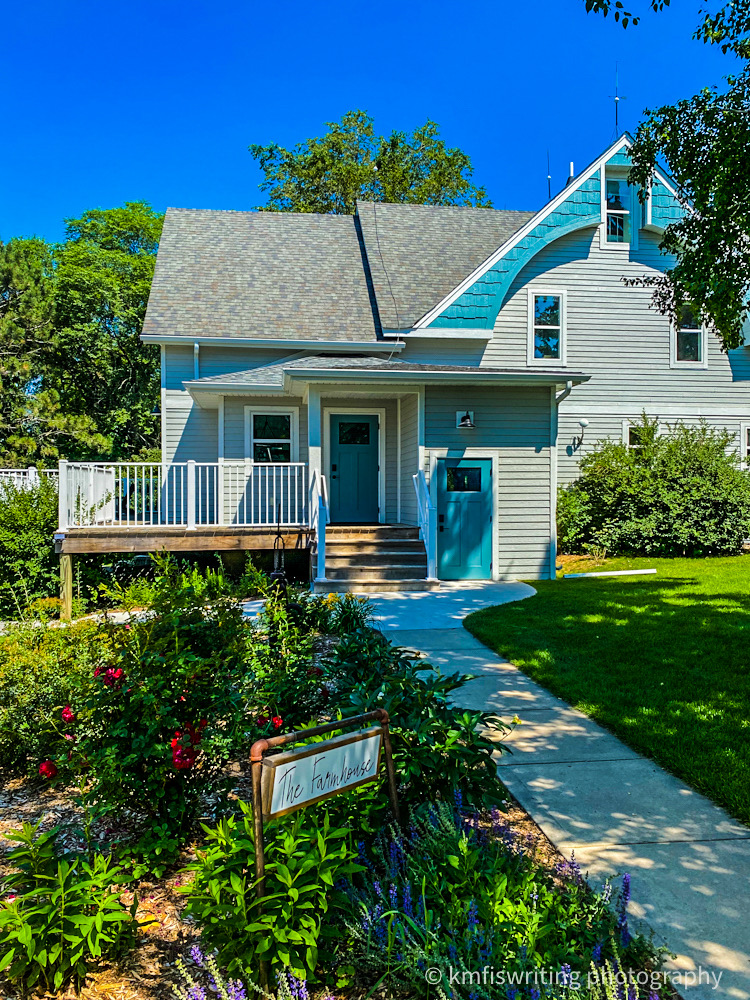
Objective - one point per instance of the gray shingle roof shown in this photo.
(419, 253)
(260, 275)
(272, 375)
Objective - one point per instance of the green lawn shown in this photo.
(662, 661)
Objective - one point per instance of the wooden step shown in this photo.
(393, 546)
(354, 573)
(370, 532)
(365, 586)
(416, 558)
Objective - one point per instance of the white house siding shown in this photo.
(615, 335)
(409, 457)
(513, 427)
(189, 432)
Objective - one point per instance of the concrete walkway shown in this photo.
(589, 793)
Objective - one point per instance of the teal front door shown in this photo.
(354, 468)
(464, 518)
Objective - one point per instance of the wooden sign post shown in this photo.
(290, 781)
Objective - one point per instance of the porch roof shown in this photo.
(278, 377)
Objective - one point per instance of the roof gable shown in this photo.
(475, 302)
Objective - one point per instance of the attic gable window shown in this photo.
(617, 203)
(546, 327)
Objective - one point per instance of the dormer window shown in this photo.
(617, 205)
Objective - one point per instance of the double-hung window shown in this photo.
(271, 434)
(546, 327)
(617, 198)
(688, 339)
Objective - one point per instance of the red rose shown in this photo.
(262, 720)
(277, 721)
(98, 671)
(184, 756)
(68, 715)
(114, 678)
(47, 769)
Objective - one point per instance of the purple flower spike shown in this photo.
(197, 956)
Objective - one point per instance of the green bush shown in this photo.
(42, 669)
(60, 915)
(678, 493)
(163, 714)
(437, 747)
(28, 565)
(299, 915)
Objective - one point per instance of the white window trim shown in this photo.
(634, 211)
(674, 363)
(547, 362)
(626, 425)
(744, 458)
(369, 411)
(291, 411)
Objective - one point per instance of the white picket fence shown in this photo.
(188, 494)
(23, 479)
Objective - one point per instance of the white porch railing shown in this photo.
(320, 516)
(188, 494)
(26, 478)
(427, 514)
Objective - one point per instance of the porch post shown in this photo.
(314, 433)
(66, 586)
(191, 495)
(62, 496)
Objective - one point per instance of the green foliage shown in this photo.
(327, 174)
(453, 895)
(164, 713)
(437, 747)
(28, 565)
(704, 141)
(678, 493)
(300, 913)
(42, 669)
(61, 915)
(75, 378)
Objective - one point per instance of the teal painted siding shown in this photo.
(479, 305)
(665, 208)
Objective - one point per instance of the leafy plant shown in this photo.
(164, 713)
(28, 565)
(292, 925)
(437, 746)
(61, 915)
(677, 493)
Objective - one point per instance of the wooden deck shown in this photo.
(178, 539)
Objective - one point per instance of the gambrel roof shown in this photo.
(363, 279)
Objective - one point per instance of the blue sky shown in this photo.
(158, 100)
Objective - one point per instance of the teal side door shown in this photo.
(464, 505)
(354, 468)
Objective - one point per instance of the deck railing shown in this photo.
(23, 479)
(182, 494)
(427, 514)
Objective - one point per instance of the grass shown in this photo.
(661, 661)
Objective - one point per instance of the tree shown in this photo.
(75, 380)
(705, 143)
(329, 173)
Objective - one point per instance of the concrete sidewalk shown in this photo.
(589, 793)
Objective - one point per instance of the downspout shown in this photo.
(556, 399)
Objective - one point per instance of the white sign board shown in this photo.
(319, 770)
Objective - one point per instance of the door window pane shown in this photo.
(354, 432)
(464, 480)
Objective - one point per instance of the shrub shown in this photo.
(300, 913)
(679, 493)
(60, 915)
(164, 713)
(437, 747)
(28, 564)
(42, 668)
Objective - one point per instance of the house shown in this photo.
(401, 391)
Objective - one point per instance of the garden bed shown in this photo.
(142, 730)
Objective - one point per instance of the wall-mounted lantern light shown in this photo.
(465, 420)
(577, 442)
